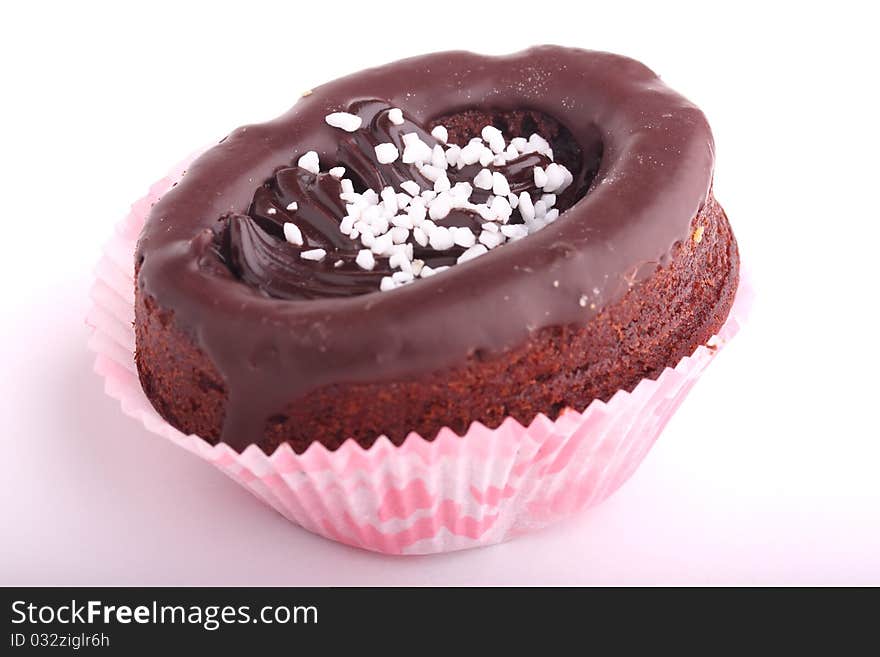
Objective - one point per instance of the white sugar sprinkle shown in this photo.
(399, 235)
(411, 187)
(490, 239)
(382, 244)
(471, 253)
(483, 210)
(395, 115)
(567, 176)
(343, 121)
(514, 231)
(389, 200)
(441, 207)
(402, 221)
(366, 235)
(499, 184)
(490, 132)
(538, 143)
(526, 209)
(292, 206)
(484, 179)
(442, 184)
(470, 154)
(440, 238)
(540, 177)
(346, 225)
(386, 153)
(309, 162)
(540, 209)
(415, 150)
(453, 154)
(500, 208)
(430, 172)
(555, 177)
(293, 234)
(379, 225)
(337, 172)
(461, 192)
(365, 259)
(400, 260)
(440, 133)
(496, 143)
(313, 254)
(420, 237)
(417, 211)
(370, 213)
(463, 236)
(438, 158)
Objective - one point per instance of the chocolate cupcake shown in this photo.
(444, 240)
(451, 247)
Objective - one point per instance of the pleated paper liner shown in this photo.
(422, 496)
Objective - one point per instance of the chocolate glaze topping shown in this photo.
(277, 327)
(254, 246)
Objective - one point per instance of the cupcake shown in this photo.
(437, 303)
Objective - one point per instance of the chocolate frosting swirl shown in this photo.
(257, 252)
(654, 176)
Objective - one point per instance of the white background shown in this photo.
(770, 472)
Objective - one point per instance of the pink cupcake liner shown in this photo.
(423, 496)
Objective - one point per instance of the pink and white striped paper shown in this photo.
(424, 496)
